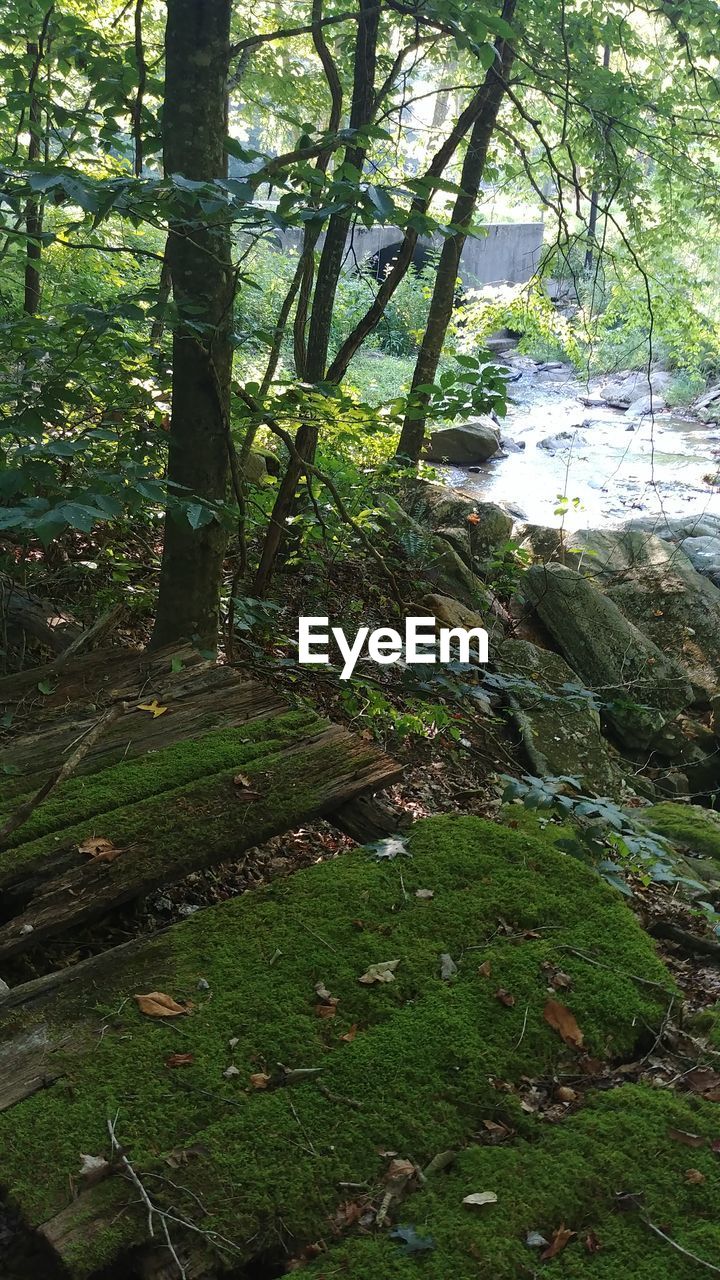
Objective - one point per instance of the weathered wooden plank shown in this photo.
(218, 698)
(311, 769)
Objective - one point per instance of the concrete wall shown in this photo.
(508, 252)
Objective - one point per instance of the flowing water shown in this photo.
(663, 467)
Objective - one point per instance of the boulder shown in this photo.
(646, 405)
(438, 563)
(703, 525)
(475, 529)
(640, 687)
(655, 586)
(627, 388)
(558, 719)
(707, 406)
(474, 441)
(690, 828)
(562, 442)
(704, 555)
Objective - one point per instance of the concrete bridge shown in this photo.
(506, 252)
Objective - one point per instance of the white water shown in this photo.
(618, 475)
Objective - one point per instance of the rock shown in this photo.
(475, 529)
(675, 529)
(641, 689)
(560, 726)
(563, 441)
(704, 555)
(707, 406)
(438, 562)
(646, 405)
(655, 586)
(629, 387)
(499, 344)
(452, 613)
(689, 827)
(473, 441)
(260, 464)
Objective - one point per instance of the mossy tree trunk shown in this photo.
(441, 306)
(199, 262)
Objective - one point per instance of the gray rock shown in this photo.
(438, 563)
(560, 725)
(707, 406)
(646, 405)
(640, 687)
(474, 441)
(563, 441)
(704, 555)
(627, 388)
(475, 529)
(655, 586)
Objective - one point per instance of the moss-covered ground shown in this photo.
(425, 1062)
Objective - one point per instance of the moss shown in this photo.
(421, 1064)
(569, 1174)
(138, 779)
(689, 826)
(164, 830)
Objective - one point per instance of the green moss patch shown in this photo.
(572, 1173)
(424, 1062)
(131, 781)
(693, 829)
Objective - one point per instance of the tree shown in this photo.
(199, 258)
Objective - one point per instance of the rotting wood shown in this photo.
(303, 767)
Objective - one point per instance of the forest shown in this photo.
(359, 639)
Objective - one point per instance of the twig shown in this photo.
(710, 1266)
(152, 1209)
(102, 624)
(646, 982)
(25, 810)
(338, 1097)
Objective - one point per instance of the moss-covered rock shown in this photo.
(572, 1173)
(557, 718)
(692, 829)
(423, 1058)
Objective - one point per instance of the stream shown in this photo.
(612, 467)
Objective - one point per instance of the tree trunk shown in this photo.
(441, 306)
(314, 356)
(595, 198)
(361, 111)
(198, 252)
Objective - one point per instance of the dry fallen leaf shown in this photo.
(687, 1139)
(505, 997)
(424, 893)
(561, 1020)
(100, 849)
(154, 707)
(558, 1240)
(231, 1071)
(694, 1176)
(260, 1080)
(592, 1244)
(479, 1198)
(485, 969)
(448, 967)
(326, 1010)
(183, 1155)
(350, 1034)
(564, 1093)
(473, 518)
(180, 1060)
(158, 1005)
(382, 972)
